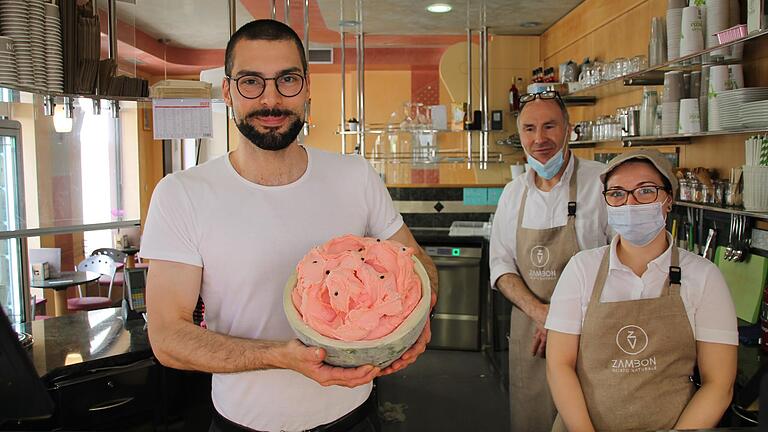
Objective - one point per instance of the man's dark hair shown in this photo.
(263, 29)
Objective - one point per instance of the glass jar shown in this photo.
(708, 194)
(697, 190)
(733, 195)
(719, 195)
(684, 191)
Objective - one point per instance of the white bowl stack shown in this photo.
(731, 104)
(37, 41)
(14, 22)
(54, 57)
(8, 75)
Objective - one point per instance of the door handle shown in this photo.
(110, 404)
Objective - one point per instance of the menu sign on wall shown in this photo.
(182, 118)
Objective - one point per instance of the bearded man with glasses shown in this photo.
(232, 231)
(543, 218)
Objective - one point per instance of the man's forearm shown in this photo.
(515, 290)
(189, 347)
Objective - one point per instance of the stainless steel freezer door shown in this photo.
(456, 323)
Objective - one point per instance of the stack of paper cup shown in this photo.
(718, 14)
(736, 76)
(695, 88)
(734, 18)
(670, 107)
(691, 36)
(703, 101)
(719, 80)
(674, 20)
(690, 120)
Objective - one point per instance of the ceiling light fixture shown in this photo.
(439, 8)
(530, 24)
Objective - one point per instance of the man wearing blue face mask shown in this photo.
(543, 218)
(630, 321)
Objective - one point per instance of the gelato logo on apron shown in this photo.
(632, 339)
(539, 256)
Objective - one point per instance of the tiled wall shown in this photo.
(439, 207)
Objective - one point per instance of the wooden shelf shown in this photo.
(655, 75)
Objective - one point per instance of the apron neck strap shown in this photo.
(572, 187)
(671, 285)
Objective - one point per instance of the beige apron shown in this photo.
(541, 256)
(636, 358)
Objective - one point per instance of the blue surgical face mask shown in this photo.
(638, 224)
(550, 168)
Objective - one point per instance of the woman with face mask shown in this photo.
(629, 322)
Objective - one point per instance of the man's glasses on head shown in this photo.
(253, 86)
(529, 97)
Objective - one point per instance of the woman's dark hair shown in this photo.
(263, 29)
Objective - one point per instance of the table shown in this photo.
(130, 262)
(60, 284)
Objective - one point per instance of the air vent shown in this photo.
(320, 56)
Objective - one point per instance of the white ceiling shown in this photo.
(204, 24)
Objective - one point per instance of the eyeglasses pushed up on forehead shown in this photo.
(253, 86)
(529, 97)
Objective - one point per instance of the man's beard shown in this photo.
(271, 140)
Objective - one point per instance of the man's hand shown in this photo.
(308, 361)
(416, 349)
(539, 345)
(539, 314)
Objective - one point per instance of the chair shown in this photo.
(104, 265)
(119, 257)
(116, 255)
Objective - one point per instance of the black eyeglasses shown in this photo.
(643, 195)
(529, 97)
(253, 86)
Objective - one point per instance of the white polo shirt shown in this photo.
(548, 210)
(705, 294)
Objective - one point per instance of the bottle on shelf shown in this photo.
(514, 96)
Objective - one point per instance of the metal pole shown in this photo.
(361, 79)
(484, 97)
(307, 105)
(343, 65)
(287, 6)
(273, 9)
(112, 28)
(469, 89)
(232, 30)
(232, 18)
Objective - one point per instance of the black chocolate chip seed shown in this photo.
(327, 272)
(381, 277)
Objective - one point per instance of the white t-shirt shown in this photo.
(248, 239)
(548, 210)
(705, 294)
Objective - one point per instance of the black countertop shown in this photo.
(81, 341)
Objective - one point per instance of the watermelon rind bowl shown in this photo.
(378, 352)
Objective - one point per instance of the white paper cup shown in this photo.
(673, 86)
(670, 116)
(690, 119)
(691, 32)
(676, 4)
(674, 20)
(736, 73)
(717, 20)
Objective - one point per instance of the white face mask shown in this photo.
(637, 224)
